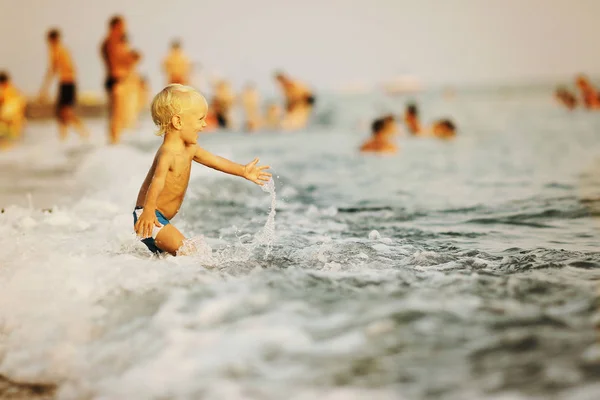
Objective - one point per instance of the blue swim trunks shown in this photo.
(150, 241)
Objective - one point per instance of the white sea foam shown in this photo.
(386, 277)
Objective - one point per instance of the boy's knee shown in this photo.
(169, 239)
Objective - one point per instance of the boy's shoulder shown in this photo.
(163, 150)
(168, 150)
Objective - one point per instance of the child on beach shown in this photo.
(180, 113)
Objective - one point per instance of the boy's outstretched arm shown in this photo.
(143, 226)
(250, 171)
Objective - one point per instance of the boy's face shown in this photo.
(193, 121)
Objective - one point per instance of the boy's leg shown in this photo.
(169, 239)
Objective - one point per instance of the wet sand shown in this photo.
(11, 390)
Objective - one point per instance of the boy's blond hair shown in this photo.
(170, 101)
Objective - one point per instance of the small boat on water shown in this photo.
(403, 84)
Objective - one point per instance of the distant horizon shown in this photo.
(328, 45)
(547, 85)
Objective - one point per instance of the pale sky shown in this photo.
(327, 43)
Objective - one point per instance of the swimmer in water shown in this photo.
(177, 65)
(565, 97)
(591, 97)
(179, 113)
(61, 64)
(411, 119)
(299, 100)
(444, 129)
(382, 129)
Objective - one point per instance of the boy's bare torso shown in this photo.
(176, 181)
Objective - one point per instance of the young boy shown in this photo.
(60, 63)
(180, 113)
(383, 129)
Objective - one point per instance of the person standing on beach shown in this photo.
(222, 102)
(299, 102)
(60, 63)
(177, 65)
(12, 111)
(131, 86)
(118, 59)
(250, 100)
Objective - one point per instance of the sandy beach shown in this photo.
(10, 390)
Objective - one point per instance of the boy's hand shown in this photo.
(145, 224)
(257, 174)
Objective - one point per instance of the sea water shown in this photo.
(462, 269)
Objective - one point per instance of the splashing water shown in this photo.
(266, 236)
(481, 283)
(197, 247)
(240, 252)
